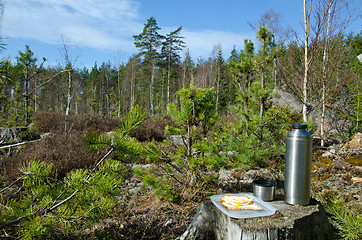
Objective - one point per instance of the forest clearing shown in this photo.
(130, 151)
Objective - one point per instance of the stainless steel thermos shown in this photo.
(298, 160)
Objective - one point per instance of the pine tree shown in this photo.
(188, 69)
(172, 45)
(92, 90)
(133, 83)
(5, 67)
(181, 173)
(243, 71)
(149, 42)
(27, 62)
(264, 58)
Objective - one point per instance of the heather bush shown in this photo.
(64, 153)
(54, 122)
(153, 129)
(44, 201)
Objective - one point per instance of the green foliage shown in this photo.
(196, 115)
(251, 141)
(45, 206)
(125, 147)
(197, 109)
(29, 135)
(349, 223)
(243, 66)
(179, 174)
(149, 40)
(134, 119)
(255, 141)
(163, 187)
(36, 173)
(354, 106)
(16, 113)
(34, 229)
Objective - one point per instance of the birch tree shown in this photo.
(331, 19)
(307, 8)
(69, 67)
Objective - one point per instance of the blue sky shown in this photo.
(102, 30)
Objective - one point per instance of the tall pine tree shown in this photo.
(148, 43)
(172, 45)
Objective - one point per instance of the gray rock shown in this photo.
(334, 124)
(226, 176)
(284, 98)
(177, 140)
(11, 134)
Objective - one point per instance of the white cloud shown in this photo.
(99, 25)
(88, 23)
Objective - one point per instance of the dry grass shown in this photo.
(145, 217)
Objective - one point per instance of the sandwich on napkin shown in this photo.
(239, 202)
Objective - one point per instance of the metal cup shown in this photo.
(264, 189)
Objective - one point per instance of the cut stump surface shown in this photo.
(288, 222)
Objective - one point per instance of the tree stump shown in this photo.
(288, 222)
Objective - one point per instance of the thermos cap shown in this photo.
(299, 131)
(299, 126)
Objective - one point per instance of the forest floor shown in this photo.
(336, 171)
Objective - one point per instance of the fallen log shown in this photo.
(288, 222)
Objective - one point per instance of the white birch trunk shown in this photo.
(325, 58)
(133, 79)
(218, 87)
(151, 87)
(69, 98)
(306, 64)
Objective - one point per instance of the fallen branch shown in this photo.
(18, 144)
(2, 190)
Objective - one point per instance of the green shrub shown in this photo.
(179, 175)
(252, 140)
(29, 135)
(347, 219)
(44, 206)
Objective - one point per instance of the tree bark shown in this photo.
(324, 73)
(306, 63)
(152, 86)
(289, 222)
(69, 98)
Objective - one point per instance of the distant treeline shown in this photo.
(153, 76)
